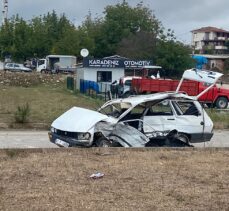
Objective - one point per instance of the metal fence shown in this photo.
(103, 91)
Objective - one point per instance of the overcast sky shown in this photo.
(180, 15)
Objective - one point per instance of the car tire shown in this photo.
(103, 142)
(183, 138)
(43, 71)
(221, 103)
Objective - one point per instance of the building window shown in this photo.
(104, 76)
(133, 72)
(196, 44)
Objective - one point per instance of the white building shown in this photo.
(100, 72)
(210, 40)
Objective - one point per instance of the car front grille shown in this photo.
(66, 134)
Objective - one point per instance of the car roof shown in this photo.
(135, 100)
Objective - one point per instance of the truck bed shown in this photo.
(142, 86)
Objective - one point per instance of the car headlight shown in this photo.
(53, 130)
(84, 136)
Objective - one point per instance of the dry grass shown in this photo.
(46, 102)
(220, 119)
(135, 179)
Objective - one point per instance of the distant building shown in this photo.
(214, 62)
(210, 40)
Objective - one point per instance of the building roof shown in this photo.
(210, 29)
(217, 56)
(115, 57)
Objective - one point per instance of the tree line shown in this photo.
(132, 32)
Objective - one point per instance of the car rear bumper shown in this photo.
(200, 137)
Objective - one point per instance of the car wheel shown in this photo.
(103, 142)
(221, 103)
(183, 138)
(42, 71)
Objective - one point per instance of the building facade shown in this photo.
(110, 69)
(210, 40)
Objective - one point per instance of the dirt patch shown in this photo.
(29, 79)
(135, 179)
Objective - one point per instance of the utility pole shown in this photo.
(4, 11)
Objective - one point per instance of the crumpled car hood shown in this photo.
(125, 135)
(78, 120)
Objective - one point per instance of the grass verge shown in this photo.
(135, 179)
(46, 102)
(220, 118)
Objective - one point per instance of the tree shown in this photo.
(6, 41)
(174, 57)
(133, 32)
(122, 21)
(141, 45)
(40, 43)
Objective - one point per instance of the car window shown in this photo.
(40, 62)
(10, 65)
(134, 115)
(186, 108)
(160, 109)
(114, 110)
(16, 65)
(139, 109)
(128, 82)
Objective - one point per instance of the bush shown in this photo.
(22, 113)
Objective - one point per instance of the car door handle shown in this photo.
(171, 119)
(202, 123)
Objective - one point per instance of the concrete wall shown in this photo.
(90, 74)
(216, 63)
(196, 40)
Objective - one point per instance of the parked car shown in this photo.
(15, 67)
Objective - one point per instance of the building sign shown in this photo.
(115, 63)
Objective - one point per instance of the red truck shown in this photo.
(217, 96)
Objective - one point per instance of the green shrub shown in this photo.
(22, 114)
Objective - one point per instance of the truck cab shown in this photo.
(57, 63)
(42, 65)
(125, 82)
(125, 85)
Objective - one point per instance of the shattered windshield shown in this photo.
(115, 110)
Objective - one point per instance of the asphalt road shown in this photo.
(39, 139)
(25, 139)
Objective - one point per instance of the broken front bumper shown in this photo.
(66, 141)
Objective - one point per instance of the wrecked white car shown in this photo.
(161, 119)
(134, 121)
